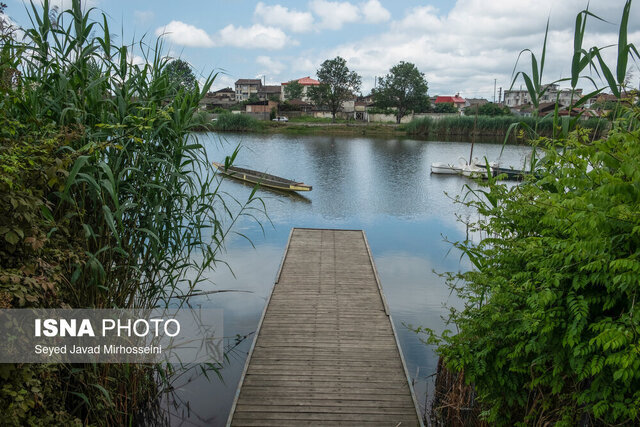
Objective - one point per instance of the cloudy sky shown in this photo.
(461, 46)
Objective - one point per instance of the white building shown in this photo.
(518, 98)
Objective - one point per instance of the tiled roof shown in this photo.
(454, 99)
(248, 82)
(271, 89)
(305, 81)
(299, 102)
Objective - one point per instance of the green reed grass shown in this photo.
(236, 123)
(132, 215)
(498, 126)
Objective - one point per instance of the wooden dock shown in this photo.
(326, 351)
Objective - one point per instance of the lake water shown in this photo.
(383, 186)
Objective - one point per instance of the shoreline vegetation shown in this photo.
(101, 206)
(447, 128)
(549, 331)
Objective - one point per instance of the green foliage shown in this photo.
(180, 75)
(497, 126)
(220, 110)
(404, 89)
(380, 110)
(312, 119)
(107, 200)
(337, 84)
(488, 109)
(550, 328)
(236, 123)
(293, 90)
(445, 107)
(550, 331)
(28, 396)
(252, 99)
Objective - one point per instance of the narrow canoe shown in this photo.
(264, 179)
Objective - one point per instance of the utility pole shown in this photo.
(494, 90)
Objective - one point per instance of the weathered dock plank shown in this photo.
(326, 352)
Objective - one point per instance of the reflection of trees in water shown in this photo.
(364, 175)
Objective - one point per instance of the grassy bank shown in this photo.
(342, 129)
(497, 127)
(245, 123)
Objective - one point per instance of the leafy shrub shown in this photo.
(236, 123)
(99, 202)
(498, 126)
(551, 325)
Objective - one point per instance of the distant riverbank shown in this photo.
(459, 128)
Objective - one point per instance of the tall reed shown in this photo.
(127, 211)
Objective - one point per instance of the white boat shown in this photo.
(448, 168)
(478, 170)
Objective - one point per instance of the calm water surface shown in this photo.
(383, 186)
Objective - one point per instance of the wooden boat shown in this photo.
(264, 179)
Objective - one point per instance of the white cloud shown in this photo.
(255, 37)
(135, 59)
(280, 16)
(270, 65)
(185, 35)
(374, 12)
(477, 41)
(334, 14)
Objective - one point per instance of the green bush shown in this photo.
(99, 201)
(551, 325)
(236, 123)
(494, 126)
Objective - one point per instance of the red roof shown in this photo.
(454, 99)
(305, 81)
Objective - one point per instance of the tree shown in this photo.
(337, 84)
(404, 89)
(488, 109)
(180, 75)
(445, 107)
(293, 90)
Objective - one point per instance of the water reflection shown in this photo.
(383, 186)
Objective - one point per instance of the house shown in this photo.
(477, 102)
(517, 98)
(269, 92)
(220, 98)
(261, 106)
(306, 83)
(299, 105)
(246, 88)
(456, 100)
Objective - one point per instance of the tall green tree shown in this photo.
(180, 75)
(404, 89)
(337, 84)
(293, 90)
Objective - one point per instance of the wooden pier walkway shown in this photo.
(326, 352)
